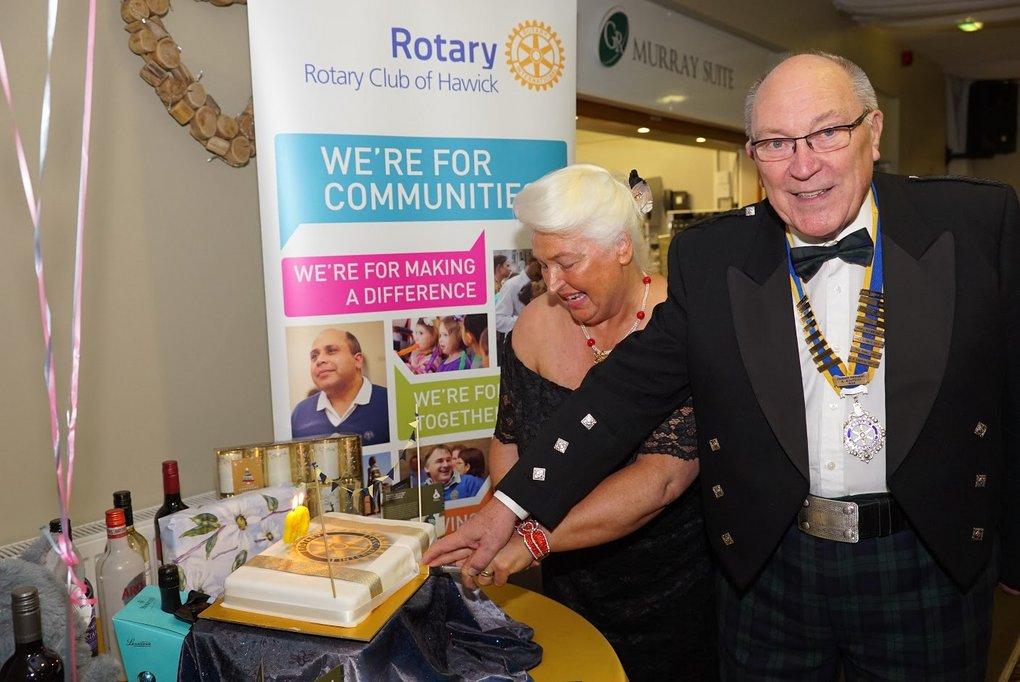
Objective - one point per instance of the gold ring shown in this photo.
(485, 574)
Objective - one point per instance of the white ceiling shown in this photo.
(928, 27)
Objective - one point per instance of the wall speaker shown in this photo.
(991, 118)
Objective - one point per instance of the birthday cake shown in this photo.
(370, 560)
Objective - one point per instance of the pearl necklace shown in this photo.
(598, 353)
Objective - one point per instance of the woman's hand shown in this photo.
(513, 558)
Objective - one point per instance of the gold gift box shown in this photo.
(339, 457)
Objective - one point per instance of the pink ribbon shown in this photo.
(64, 477)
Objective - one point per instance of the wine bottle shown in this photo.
(121, 575)
(86, 611)
(172, 501)
(31, 659)
(169, 588)
(137, 541)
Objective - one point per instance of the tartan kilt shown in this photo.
(880, 609)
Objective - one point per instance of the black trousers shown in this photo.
(880, 609)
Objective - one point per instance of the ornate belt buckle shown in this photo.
(829, 519)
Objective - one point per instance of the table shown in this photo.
(572, 649)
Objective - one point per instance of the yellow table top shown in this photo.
(572, 648)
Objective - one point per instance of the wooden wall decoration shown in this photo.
(230, 138)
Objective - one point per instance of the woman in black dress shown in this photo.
(632, 557)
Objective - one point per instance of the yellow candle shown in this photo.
(295, 525)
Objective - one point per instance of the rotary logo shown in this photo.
(534, 54)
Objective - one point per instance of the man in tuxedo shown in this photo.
(848, 343)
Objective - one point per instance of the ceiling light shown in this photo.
(672, 99)
(700, 139)
(644, 130)
(969, 25)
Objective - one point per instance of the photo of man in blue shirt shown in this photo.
(346, 401)
(456, 486)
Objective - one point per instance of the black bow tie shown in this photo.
(856, 248)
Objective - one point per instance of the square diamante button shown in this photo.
(588, 422)
(538, 474)
(560, 445)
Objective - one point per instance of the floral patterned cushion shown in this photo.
(211, 541)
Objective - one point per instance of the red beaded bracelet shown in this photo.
(535, 539)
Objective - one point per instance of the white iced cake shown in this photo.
(371, 559)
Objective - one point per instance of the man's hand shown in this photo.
(483, 535)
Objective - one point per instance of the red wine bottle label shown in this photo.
(134, 587)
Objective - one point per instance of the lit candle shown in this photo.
(295, 525)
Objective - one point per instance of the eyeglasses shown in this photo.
(825, 140)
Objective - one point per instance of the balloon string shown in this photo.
(64, 479)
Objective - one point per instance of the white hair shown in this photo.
(583, 200)
(862, 87)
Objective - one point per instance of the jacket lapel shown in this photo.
(762, 309)
(920, 286)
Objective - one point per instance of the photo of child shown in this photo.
(451, 344)
(445, 343)
(416, 343)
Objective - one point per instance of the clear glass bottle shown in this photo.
(122, 500)
(120, 573)
(31, 659)
(86, 611)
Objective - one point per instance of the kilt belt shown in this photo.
(850, 519)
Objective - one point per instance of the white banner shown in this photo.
(392, 138)
(638, 53)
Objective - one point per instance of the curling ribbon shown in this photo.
(64, 479)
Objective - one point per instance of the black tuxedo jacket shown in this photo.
(726, 334)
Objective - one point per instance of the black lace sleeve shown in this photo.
(676, 436)
(506, 420)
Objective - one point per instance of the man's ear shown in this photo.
(876, 134)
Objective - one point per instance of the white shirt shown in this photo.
(833, 292)
(361, 398)
(508, 305)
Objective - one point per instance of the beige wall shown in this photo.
(1005, 168)
(174, 348)
(799, 25)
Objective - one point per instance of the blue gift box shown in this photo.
(150, 639)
